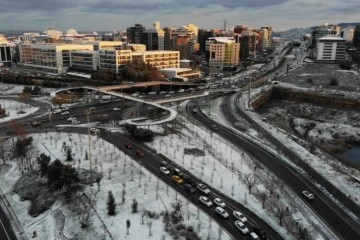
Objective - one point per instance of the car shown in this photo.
(116, 109)
(167, 95)
(239, 216)
(94, 131)
(171, 92)
(65, 109)
(254, 236)
(164, 164)
(206, 201)
(65, 113)
(70, 119)
(177, 179)
(181, 91)
(203, 188)
(164, 170)
(128, 145)
(261, 233)
(308, 195)
(214, 127)
(140, 153)
(56, 111)
(221, 212)
(76, 121)
(219, 202)
(241, 227)
(190, 188)
(176, 171)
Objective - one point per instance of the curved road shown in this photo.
(339, 221)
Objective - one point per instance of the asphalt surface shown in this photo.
(335, 217)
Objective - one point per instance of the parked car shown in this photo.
(203, 188)
(116, 109)
(128, 145)
(177, 179)
(190, 188)
(221, 212)
(140, 153)
(206, 201)
(164, 164)
(219, 202)
(239, 216)
(164, 170)
(241, 227)
(70, 119)
(56, 111)
(308, 195)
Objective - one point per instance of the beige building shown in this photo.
(223, 51)
(54, 58)
(113, 59)
(86, 61)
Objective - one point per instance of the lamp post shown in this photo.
(87, 112)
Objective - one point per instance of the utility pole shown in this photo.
(87, 112)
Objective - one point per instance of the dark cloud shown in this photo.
(7, 6)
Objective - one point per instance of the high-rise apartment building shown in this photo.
(135, 34)
(264, 38)
(324, 30)
(6, 52)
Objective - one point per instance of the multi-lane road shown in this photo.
(344, 226)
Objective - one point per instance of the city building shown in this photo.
(264, 39)
(98, 45)
(183, 39)
(154, 38)
(114, 59)
(248, 41)
(6, 52)
(324, 30)
(29, 37)
(84, 61)
(52, 58)
(223, 52)
(180, 74)
(135, 34)
(348, 34)
(330, 49)
(356, 39)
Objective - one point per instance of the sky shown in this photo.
(117, 15)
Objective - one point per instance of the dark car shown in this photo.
(129, 145)
(261, 233)
(190, 188)
(139, 153)
(187, 179)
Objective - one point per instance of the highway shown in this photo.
(336, 218)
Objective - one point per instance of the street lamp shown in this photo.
(87, 112)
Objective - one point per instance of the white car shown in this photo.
(204, 200)
(181, 91)
(65, 113)
(308, 195)
(219, 202)
(164, 170)
(239, 216)
(70, 119)
(221, 212)
(115, 109)
(203, 188)
(241, 226)
(56, 111)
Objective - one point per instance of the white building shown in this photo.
(223, 52)
(330, 49)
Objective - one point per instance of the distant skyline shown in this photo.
(117, 15)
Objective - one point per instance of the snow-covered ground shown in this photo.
(15, 110)
(120, 173)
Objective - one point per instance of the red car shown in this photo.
(129, 145)
(140, 153)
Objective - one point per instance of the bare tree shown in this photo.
(263, 196)
(3, 153)
(84, 208)
(304, 233)
(250, 181)
(143, 214)
(150, 226)
(281, 212)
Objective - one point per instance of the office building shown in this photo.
(330, 49)
(154, 38)
(135, 34)
(223, 52)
